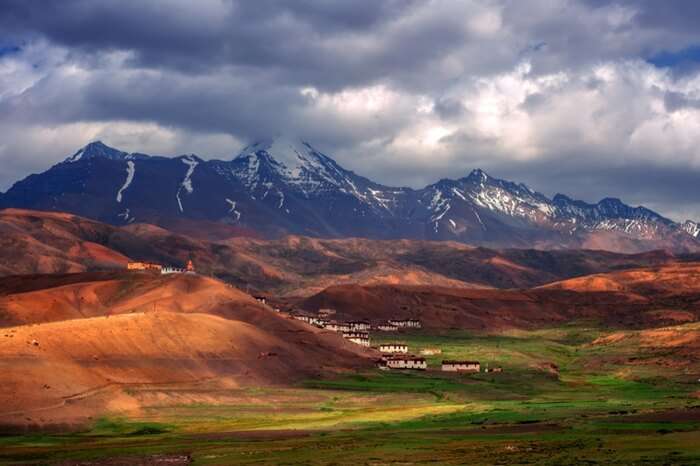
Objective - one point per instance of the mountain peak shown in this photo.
(478, 174)
(96, 149)
(293, 160)
(560, 198)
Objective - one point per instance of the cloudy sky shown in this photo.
(592, 98)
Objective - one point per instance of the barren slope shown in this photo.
(97, 294)
(68, 344)
(632, 299)
(65, 371)
(40, 242)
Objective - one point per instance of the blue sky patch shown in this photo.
(681, 57)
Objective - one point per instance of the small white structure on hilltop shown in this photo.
(169, 269)
(393, 348)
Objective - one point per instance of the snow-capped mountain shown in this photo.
(285, 185)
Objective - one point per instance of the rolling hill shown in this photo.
(639, 298)
(70, 346)
(47, 242)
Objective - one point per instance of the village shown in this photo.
(395, 355)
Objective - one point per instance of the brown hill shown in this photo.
(630, 299)
(671, 279)
(69, 345)
(63, 372)
(75, 296)
(40, 242)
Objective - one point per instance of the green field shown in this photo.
(560, 400)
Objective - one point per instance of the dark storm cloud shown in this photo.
(298, 42)
(579, 96)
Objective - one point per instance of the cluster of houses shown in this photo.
(402, 360)
(395, 355)
(322, 320)
(158, 268)
(356, 331)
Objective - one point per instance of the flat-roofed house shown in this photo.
(461, 366)
(360, 338)
(393, 348)
(359, 325)
(387, 328)
(406, 362)
(405, 323)
(338, 326)
(152, 266)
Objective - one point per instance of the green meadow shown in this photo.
(561, 399)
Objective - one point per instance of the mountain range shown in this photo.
(286, 186)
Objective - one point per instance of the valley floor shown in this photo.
(569, 395)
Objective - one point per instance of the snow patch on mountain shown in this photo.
(232, 209)
(130, 171)
(75, 157)
(126, 216)
(191, 162)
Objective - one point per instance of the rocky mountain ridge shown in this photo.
(286, 186)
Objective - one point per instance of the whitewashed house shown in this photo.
(406, 362)
(461, 366)
(405, 323)
(393, 348)
(387, 328)
(359, 325)
(360, 338)
(338, 326)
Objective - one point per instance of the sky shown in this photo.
(591, 98)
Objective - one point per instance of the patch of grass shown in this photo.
(109, 427)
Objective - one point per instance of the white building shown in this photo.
(387, 328)
(393, 348)
(406, 362)
(168, 270)
(405, 323)
(359, 325)
(461, 366)
(338, 326)
(360, 338)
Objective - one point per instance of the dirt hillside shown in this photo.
(71, 345)
(98, 294)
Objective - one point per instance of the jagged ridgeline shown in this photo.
(286, 186)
